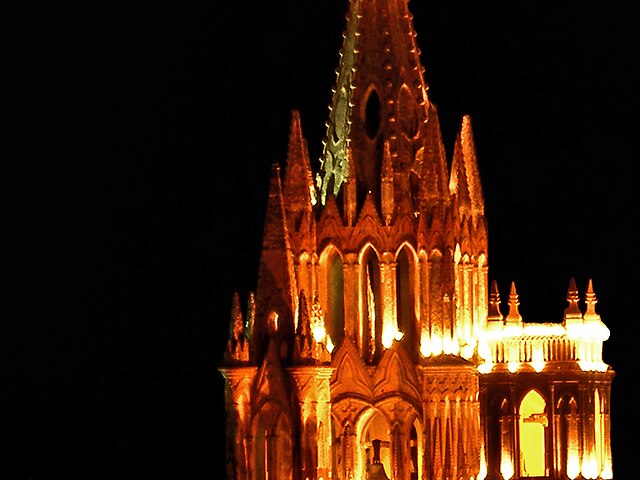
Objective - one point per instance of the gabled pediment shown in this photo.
(350, 377)
(330, 222)
(270, 383)
(396, 374)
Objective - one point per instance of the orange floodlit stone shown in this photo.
(374, 346)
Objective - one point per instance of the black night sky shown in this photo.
(187, 106)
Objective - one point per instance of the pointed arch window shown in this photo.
(568, 441)
(334, 316)
(372, 114)
(405, 296)
(371, 305)
(272, 445)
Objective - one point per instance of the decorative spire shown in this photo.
(276, 289)
(434, 170)
(513, 317)
(591, 300)
(251, 316)
(458, 185)
(494, 304)
(387, 186)
(573, 298)
(308, 348)
(471, 167)
(299, 192)
(379, 43)
(237, 323)
(237, 346)
(304, 343)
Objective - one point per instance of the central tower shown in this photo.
(367, 350)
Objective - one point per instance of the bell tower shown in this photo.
(371, 347)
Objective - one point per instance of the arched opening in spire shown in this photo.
(371, 114)
(405, 296)
(371, 327)
(533, 425)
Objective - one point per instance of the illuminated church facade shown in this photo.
(374, 346)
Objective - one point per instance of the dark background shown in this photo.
(152, 216)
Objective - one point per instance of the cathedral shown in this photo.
(374, 345)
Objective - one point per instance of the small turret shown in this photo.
(513, 318)
(592, 320)
(238, 345)
(572, 314)
(494, 314)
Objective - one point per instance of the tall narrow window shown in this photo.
(335, 295)
(372, 115)
(533, 424)
(405, 302)
(414, 468)
(372, 311)
(599, 431)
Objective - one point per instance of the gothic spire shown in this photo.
(465, 181)
(276, 289)
(238, 345)
(471, 167)
(380, 95)
(299, 191)
(433, 171)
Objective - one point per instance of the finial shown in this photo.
(237, 346)
(573, 298)
(237, 323)
(494, 304)
(251, 316)
(514, 315)
(304, 328)
(591, 300)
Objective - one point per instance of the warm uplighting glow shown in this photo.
(485, 367)
(540, 343)
(319, 333)
(329, 344)
(506, 469)
(467, 351)
(573, 465)
(387, 336)
(513, 366)
(482, 474)
(394, 237)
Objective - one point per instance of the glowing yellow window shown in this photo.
(533, 423)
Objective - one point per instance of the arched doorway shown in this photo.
(374, 445)
(533, 425)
